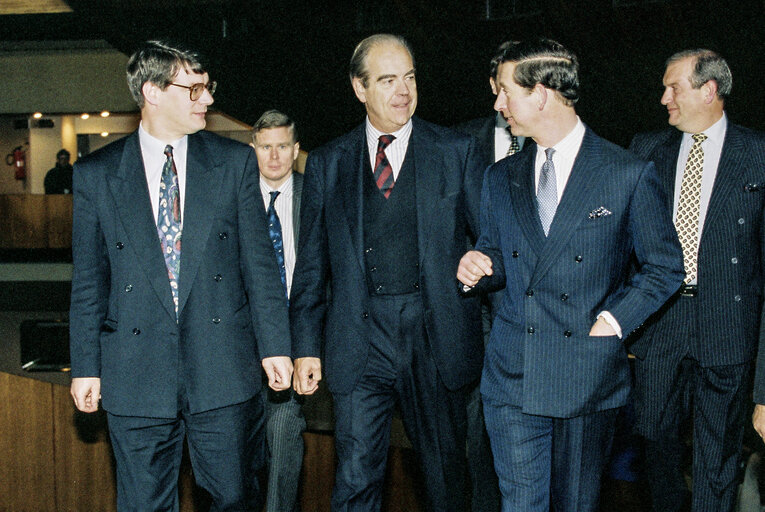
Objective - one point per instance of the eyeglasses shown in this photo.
(196, 90)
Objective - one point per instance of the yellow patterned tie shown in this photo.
(687, 221)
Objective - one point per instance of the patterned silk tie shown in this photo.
(383, 172)
(169, 222)
(514, 146)
(547, 192)
(275, 233)
(687, 221)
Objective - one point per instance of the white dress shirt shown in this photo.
(153, 153)
(712, 147)
(396, 150)
(283, 207)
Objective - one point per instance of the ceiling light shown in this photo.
(105, 113)
(37, 115)
(84, 116)
(104, 134)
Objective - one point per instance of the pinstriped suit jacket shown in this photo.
(540, 355)
(731, 250)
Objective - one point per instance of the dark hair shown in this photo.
(158, 62)
(274, 119)
(496, 60)
(62, 152)
(708, 65)
(544, 62)
(358, 65)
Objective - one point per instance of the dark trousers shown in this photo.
(549, 463)
(400, 370)
(285, 425)
(671, 386)
(225, 447)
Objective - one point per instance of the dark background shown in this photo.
(294, 55)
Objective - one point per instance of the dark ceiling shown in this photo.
(293, 55)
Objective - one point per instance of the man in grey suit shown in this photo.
(176, 296)
(386, 211)
(694, 356)
(495, 142)
(561, 223)
(274, 139)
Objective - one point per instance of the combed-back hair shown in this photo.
(358, 66)
(545, 62)
(158, 62)
(708, 65)
(274, 119)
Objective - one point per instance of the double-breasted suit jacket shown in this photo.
(123, 323)
(540, 356)
(447, 174)
(731, 257)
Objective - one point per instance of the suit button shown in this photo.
(120, 245)
(737, 298)
(529, 292)
(379, 288)
(373, 269)
(567, 334)
(129, 288)
(515, 254)
(416, 286)
(734, 260)
(216, 320)
(365, 315)
(578, 258)
(217, 277)
(741, 220)
(564, 296)
(368, 250)
(222, 235)
(530, 330)
(136, 331)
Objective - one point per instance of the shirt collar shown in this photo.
(714, 133)
(154, 145)
(401, 136)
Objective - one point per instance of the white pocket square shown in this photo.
(601, 211)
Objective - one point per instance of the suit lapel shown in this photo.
(429, 183)
(585, 175)
(520, 172)
(202, 190)
(732, 159)
(665, 160)
(130, 194)
(350, 169)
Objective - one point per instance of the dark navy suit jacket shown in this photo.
(540, 355)
(331, 249)
(731, 261)
(122, 319)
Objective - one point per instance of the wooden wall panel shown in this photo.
(34, 221)
(26, 443)
(84, 462)
(59, 217)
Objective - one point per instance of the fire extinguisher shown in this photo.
(18, 159)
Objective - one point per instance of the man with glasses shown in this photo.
(176, 295)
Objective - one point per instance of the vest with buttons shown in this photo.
(390, 233)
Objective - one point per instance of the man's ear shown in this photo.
(359, 89)
(710, 91)
(541, 93)
(493, 85)
(295, 151)
(150, 92)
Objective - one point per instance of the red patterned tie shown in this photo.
(383, 172)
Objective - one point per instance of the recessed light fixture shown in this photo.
(37, 115)
(104, 134)
(85, 116)
(105, 113)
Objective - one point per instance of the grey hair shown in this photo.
(708, 65)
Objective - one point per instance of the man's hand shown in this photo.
(279, 372)
(602, 328)
(473, 266)
(86, 392)
(307, 375)
(758, 419)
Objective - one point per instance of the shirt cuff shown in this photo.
(610, 320)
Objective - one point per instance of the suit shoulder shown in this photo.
(105, 155)
(474, 126)
(438, 132)
(643, 144)
(344, 142)
(225, 143)
(748, 134)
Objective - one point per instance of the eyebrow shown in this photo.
(391, 75)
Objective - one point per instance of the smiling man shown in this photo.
(694, 358)
(387, 210)
(562, 222)
(176, 296)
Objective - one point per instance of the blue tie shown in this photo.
(547, 194)
(275, 233)
(169, 222)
